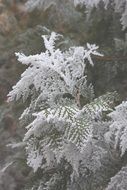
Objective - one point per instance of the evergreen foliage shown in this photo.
(117, 134)
(60, 130)
(72, 142)
(120, 7)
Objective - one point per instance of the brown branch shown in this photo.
(109, 58)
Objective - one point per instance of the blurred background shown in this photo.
(21, 28)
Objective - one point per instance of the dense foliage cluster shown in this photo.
(72, 137)
(119, 6)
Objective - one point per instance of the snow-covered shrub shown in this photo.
(117, 138)
(117, 133)
(59, 126)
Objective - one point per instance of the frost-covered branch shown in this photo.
(59, 129)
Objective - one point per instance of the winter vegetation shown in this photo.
(118, 6)
(60, 127)
(75, 138)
